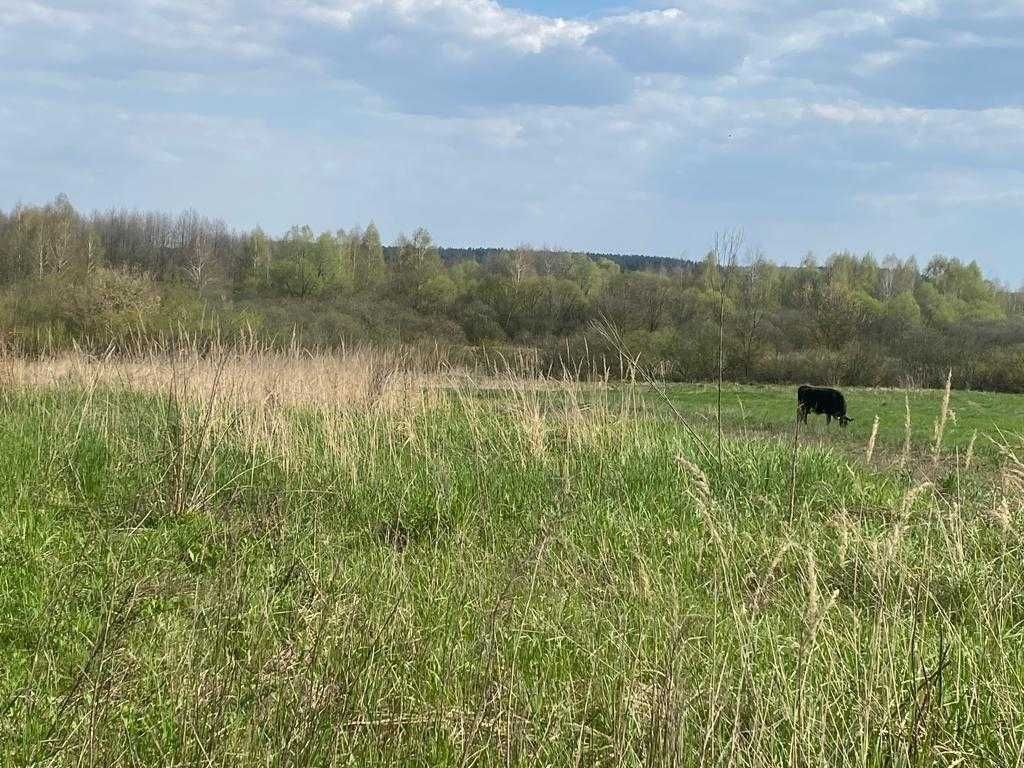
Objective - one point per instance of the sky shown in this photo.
(890, 126)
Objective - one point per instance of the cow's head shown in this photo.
(844, 420)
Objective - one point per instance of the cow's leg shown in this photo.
(828, 419)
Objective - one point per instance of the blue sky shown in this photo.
(895, 126)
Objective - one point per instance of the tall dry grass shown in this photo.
(943, 420)
(259, 377)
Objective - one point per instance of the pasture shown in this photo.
(328, 561)
(769, 410)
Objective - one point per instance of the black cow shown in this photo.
(821, 400)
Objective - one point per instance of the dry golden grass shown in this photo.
(263, 378)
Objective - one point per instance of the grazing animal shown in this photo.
(821, 400)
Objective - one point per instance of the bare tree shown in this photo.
(93, 250)
(756, 290)
(520, 263)
(200, 256)
(60, 244)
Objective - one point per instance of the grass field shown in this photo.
(318, 561)
(766, 410)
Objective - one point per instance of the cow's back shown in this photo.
(822, 399)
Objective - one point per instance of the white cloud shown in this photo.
(475, 118)
(481, 20)
(948, 190)
(19, 12)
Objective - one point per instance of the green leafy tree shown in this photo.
(304, 265)
(417, 263)
(755, 302)
(257, 261)
(901, 315)
(369, 268)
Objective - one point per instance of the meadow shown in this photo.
(978, 417)
(275, 559)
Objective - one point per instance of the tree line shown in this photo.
(104, 280)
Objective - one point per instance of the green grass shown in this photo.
(496, 581)
(771, 409)
(761, 411)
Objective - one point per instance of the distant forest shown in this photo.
(108, 281)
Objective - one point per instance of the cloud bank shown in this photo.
(890, 125)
